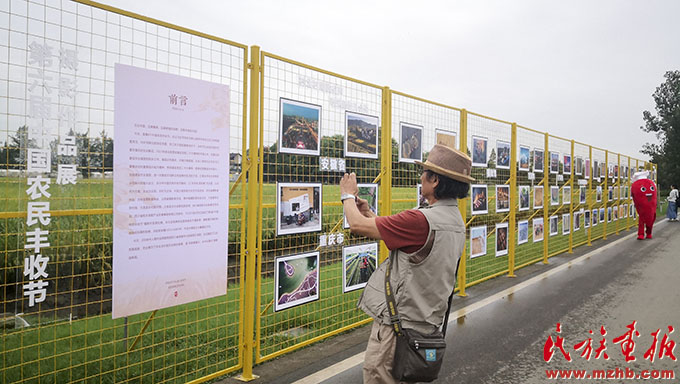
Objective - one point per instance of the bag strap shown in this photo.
(395, 321)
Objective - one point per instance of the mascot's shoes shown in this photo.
(640, 237)
(649, 236)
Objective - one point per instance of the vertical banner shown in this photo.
(171, 190)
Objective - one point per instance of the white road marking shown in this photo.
(357, 359)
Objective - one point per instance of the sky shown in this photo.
(584, 70)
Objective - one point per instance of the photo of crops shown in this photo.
(362, 135)
(299, 131)
(359, 263)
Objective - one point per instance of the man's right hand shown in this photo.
(364, 208)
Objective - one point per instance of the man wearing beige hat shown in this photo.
(425, 246)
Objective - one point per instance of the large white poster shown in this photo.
(171, 190)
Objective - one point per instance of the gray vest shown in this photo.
(423, 280)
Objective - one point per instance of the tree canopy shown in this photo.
(666, 125)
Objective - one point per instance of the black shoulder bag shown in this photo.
(417, 356)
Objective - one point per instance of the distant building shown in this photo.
(235, 161)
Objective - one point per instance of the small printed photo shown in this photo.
(479, 199)
(300, 125)
(586, 169)
(411, 145)
(631, 211)
(621, 212)
(610, 169)
(538, 197)
(586, 218)
(566, 194)
(615, 213)
(625, 211)
(609, 214)
(601, 220)
(477, 241)
(578, 165)
(524, 195)
(502, 198)
(566, 225)
(361, 136)
(538, 160)
(582, 194)
(554, 162)
(595, 216)
(610, 195)
(522, 231)
(359, 262)
(538, 230)
(297, 280)
(598, 194)
(299, 208)
(553, 225)
(503, 154)
(524, 156)
(616, 171)
(602, 169)
(567, 165)
(368, 192)
(577, 221)
(554, 195)
(501, 239)
(626, 192)
(446, 138)
(479, 151)
(421, 201)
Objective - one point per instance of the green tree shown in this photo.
(666, 125)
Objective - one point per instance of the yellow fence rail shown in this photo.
(295, 130)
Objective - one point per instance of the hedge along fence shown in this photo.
(71, 336)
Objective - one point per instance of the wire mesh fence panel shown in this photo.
(531, 163)
(612, 193)
(489, 144)
(581, 195)
(562, 195)
(624, 194)
(315, 127)
(57, 99)
(599, 200)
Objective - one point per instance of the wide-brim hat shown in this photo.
(449, 162)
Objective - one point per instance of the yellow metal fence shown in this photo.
(295, 130)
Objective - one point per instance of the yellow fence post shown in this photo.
(618, 190)
(605, 193)
(546, 196)
(386, 160)
(513, 201)
(253, 162)
(589, 194)
(571, 199)
(462, 206)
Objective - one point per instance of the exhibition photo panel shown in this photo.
(480, 199)
(410, 143)
(298, 207)
(522, 231)
(359, 263)
(502, 154)
(501, 239)
(479, 151)
(368, 192)
(296, 280)
(524, 156)
(300, 125)
(477, 241)
(446, 138)
(361, 135)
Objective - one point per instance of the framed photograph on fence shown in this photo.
(296, 280)
(420, 200)
(298, 207)
(361, 135)
(477, 241)
(625, 211)
(594, 217)
(615, 213)
(586, 169)
(554, 195)
(578, 166)
(502, 154)
(609, 214)
(300, 127)
(524, 156)
(586, 218)
(610, 193)
(479, 151)
(358, 264)
(501, 239)
(480, 199)
(567, 165)
(368, 192)
(598, 194)
(601, 215)
(538, 197)
(566, 194)
(554, 162)
(582, 194)
(631, 211)
(553, 225)
(538, 160)
(577, 221)
(522, 231)
(524, 197)
(538, 230)
(410, 143)
(566, 225)
(445, 138)
(502, 198)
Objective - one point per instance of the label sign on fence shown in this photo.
(171, 188)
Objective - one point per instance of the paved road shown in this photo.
(498, 332)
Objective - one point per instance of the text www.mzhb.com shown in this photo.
(618, 373)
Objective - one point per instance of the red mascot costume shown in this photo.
(643, 191)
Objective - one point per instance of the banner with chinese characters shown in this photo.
(171, 190)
